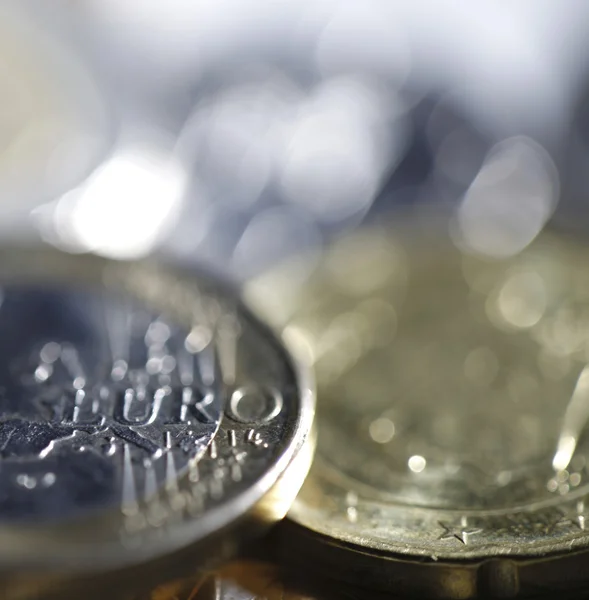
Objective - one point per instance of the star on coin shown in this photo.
(576, 514)
(460, 531)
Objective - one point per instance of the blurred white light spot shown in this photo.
(340, 146)
(43, 372)
(122, 210)
(119, 370)
(50, 352)
(363, 100)
(157, 333)
(510, 200)
(566, 448)
(352, 513)
(552, 485)
(48, 479)
(51, 133)
(522, 299)
(417, 463)
(352, 498)
(153, 365)
(381, 430)
(330, 167)
(575, 419)
(198, 339)
(503, 477)
(234, 141)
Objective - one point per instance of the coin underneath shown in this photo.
(453, 397)
(113, 381)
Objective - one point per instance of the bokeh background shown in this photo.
(235, 133)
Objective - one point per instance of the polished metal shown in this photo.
(143, 410)
(452, 450)
(101, 402)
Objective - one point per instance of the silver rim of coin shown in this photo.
(123, 379)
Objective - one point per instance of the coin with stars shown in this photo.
(452, 409)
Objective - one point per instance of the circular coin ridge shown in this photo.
(343, 504)
(238, 477)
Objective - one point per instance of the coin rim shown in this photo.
(92, 555)
(385, 558)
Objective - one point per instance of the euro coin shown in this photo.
(144, 410)
(452, 410)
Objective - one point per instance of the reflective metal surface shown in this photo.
(236, 134)
(103, 402)
(452, 399)
(114, 379)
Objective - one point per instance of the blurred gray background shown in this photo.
(235, 133)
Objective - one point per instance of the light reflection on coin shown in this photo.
(115, 377)
(454, 431)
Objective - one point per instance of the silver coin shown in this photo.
(114, 379)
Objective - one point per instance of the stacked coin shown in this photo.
(149, 423)
(452, 407)
(152, 426)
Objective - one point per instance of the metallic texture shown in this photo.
(452, 458)
(101, 404)
(115, 376)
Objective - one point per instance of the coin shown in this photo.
(452, 407)
(114, 379)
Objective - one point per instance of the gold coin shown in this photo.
(453, 394)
